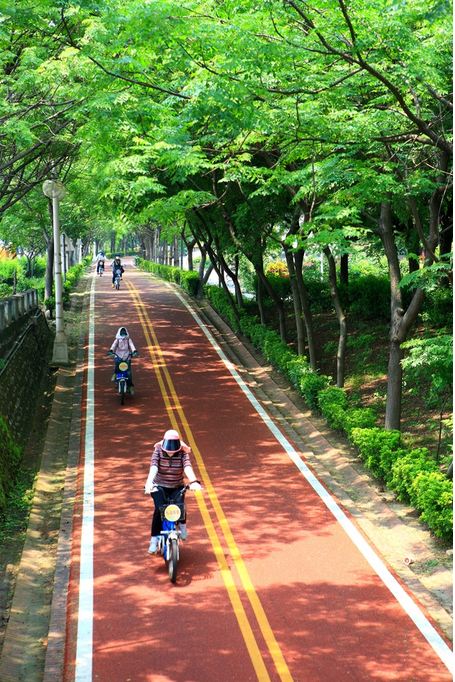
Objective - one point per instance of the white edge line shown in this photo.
(83, 672)
(409, 606)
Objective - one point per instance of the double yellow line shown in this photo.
(179, 422)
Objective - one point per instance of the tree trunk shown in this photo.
(260, 301)
(298, 312)
(276, 299)
(342, 339)
(400, 321)
(307, 315)
(344, 269)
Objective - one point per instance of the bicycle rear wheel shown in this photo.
(122, 392)
(173, 559)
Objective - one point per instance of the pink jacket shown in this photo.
(123, 345)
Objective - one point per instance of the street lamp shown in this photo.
(54, 189)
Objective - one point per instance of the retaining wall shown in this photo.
(25, 345)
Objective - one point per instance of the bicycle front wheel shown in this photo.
(173, 559)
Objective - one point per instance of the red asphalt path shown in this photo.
(331, 616)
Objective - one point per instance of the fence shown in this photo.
(14, 307)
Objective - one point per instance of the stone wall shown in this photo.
(22, 368)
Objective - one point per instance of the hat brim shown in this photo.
(171, 445)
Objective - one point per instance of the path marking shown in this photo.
(405, 601)
(176, 412)
(84, 644)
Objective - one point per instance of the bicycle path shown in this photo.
(275, 582)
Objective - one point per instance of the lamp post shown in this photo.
(54, 189)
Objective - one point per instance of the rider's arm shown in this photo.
(150, 478)
(114, 345)
(191, 476)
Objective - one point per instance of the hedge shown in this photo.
(413, 475)
(187, 279)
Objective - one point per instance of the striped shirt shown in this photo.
(170, 469)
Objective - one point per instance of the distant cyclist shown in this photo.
(100, 262)
(117, 269)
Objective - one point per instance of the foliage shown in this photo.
(432, 494)
(367, 297)
(429, 363)
(189, 281)
(405, 469)
(310, 386)
(379, 449)
(333, 402)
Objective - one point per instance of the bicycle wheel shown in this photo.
(122, 391)
(173, 559)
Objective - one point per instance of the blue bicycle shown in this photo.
(171, 513)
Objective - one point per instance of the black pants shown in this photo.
(99, 265)
(164, 496)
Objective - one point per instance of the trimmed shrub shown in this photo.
(432, 494)
(405, 470)
(333, 402)
(219, 299)
(359, 418)
(310, 385)
(296, 368)
(367, 296)
(378, 448)
(190, 282)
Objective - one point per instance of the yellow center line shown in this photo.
(228, 579)
(264, 625)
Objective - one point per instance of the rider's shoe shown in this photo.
(183, 531)
(131, 390)
(113, 285)
(113, 377)
(153, 547)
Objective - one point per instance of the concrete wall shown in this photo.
(26, 346)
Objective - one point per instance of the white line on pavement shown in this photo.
(83, 671)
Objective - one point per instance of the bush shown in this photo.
(437, 307)
(405, 470)
(220, 301)
(359, 418)
(367, 296)
(310, 385)
(333, 402)
(378, 448)
(10, 457)
(432, 494)
(190, 282)
(5, 290)
(296, 368)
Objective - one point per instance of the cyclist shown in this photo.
(117, 267)
(123, 349)
(170, 462)
(100, 262)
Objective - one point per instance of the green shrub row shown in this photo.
(412, 475)
(187, 279)
(10, 457)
